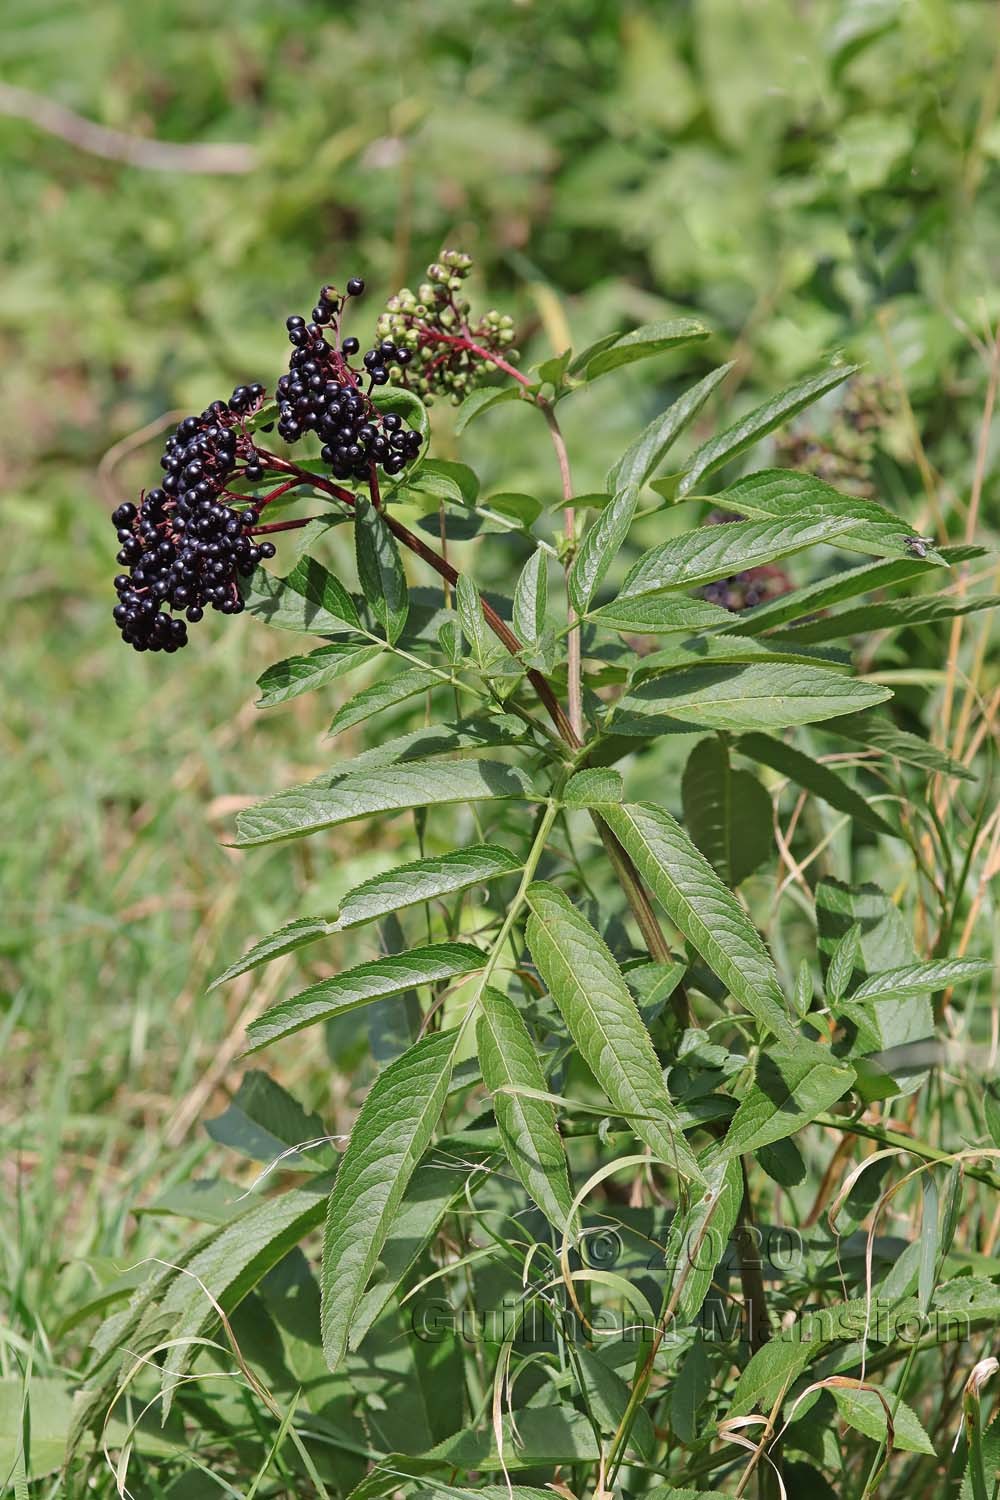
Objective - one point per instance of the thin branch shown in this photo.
(212, 158)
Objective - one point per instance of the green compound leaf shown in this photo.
(390, 1135)
(340, 799)
(375, 980)
(604, 1021)
(527, 1125)
(702, 907)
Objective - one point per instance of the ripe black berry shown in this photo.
(355, 286)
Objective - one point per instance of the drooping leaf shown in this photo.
(864, 1411)
(380, 570)
(746, 697)
(792, 1086)
(711, 552)
(390, 1135)
(813, 598)
(708, 914)
(339, 799)
(643, 343)
(894, 614)
(385, 694)
(877, 733)
(527, 1125)
(654, 443)
(727, 813)
(530, 599)
(659, 614)
(587, 985)
(295, 934)
(784, 494)
(599, 547)
(264, 1121)
(309, 599)
(304, 674)
(391, 975)
(758, 423)
(699, 1238)
(813, 776)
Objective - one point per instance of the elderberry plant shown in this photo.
(570, 978)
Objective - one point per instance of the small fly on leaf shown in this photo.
(918, 544)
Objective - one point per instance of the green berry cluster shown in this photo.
(450, 355)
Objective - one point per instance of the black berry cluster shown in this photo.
(183, 547)
(324, 393)
(446, 354)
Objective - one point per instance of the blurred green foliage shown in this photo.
(808, 175)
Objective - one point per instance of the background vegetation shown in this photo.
(809, 177)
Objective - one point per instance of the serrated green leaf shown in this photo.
(728, 813)
(479, 401)
(599, 547)
(770, 1371)
(654, 443)
(530, 599)
(380, 569)
(784, 494)
(642, 343)
(293, 935)
(464, 737)
(707, 650)
(470, 614)
(393, 974)
(602, 1017)
(922, 979)
(527, 1125)
(423, 880)
(659, 614)
(309, 599)
(792, 1086)
(263, 1121)
(864, 1411)
(391, 1133)
(590, 788)
(747, 697)
(758, 423)
(304, 674)
(826, 592)
(708, 914)
(340, 799)
(894, 614)
(386, 694)
(878, 733)
(813, 776)
(712, 552)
